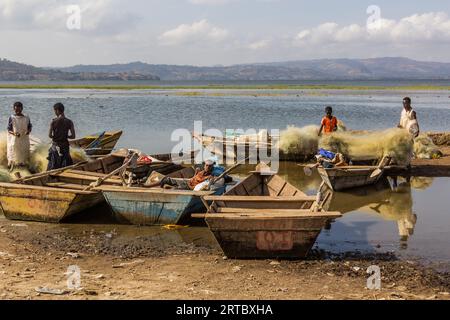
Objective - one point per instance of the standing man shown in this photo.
(61, 130)
(408, 118)
(18, 142)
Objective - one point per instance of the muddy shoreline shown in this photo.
(179, 265)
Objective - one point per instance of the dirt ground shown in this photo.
(126, 262)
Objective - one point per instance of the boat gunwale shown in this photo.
(243, 198)
(13, 185)
(299, 214)
(117, 189)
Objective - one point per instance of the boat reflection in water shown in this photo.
(390, 198)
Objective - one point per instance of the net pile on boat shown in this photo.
(424, 148)
(38, 159)
(396, 143)
(304, 141)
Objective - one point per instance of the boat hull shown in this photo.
(266, 237)
(339, 180)
(153, 208)
(31, 203)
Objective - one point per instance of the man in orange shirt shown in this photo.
(190, 184)
(329, 122)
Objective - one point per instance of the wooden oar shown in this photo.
(46, 173)
(102, 179)
(378, 171)
(214, 179)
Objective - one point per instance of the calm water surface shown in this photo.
(148, 117)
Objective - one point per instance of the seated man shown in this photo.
(326, 159)
(200, 177)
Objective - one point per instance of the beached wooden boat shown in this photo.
(52, 197)
(343, 178)
(99, 144)
(154, 206)
(266, 217)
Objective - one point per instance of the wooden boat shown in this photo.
(52, 197)
(154, 206)
(99, 144)
(253, 146)
(266, 217)
(229, 148)
(348, 177)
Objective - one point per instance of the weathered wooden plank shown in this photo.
(259, 198)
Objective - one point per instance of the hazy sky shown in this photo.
(210, 32)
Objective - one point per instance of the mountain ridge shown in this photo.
(383, 68)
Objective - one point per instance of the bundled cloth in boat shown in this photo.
(395, 143)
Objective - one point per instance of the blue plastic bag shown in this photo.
(327, 154)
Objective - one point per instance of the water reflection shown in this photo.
(391, 199)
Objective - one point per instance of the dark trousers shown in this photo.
(59, 157)
(180, 184)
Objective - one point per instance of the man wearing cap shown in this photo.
(199, 177)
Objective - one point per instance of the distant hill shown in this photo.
(14, 71)
(323, 69)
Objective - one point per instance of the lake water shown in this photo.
(413, 220)
(148, 117)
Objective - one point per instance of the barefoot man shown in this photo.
(61, 130)
(18, 142)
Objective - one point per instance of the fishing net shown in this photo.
(396, 143)
(19, 173)
(424, 148)
(303, 141)
(39, 161)
(4, 175)
(341, 126)
(3, 150)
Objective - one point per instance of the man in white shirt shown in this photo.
(408, 118)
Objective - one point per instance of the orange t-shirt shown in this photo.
(329, 125)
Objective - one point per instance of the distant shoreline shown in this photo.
(229, 87)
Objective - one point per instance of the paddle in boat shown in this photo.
(99, 144)
(155, 205)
